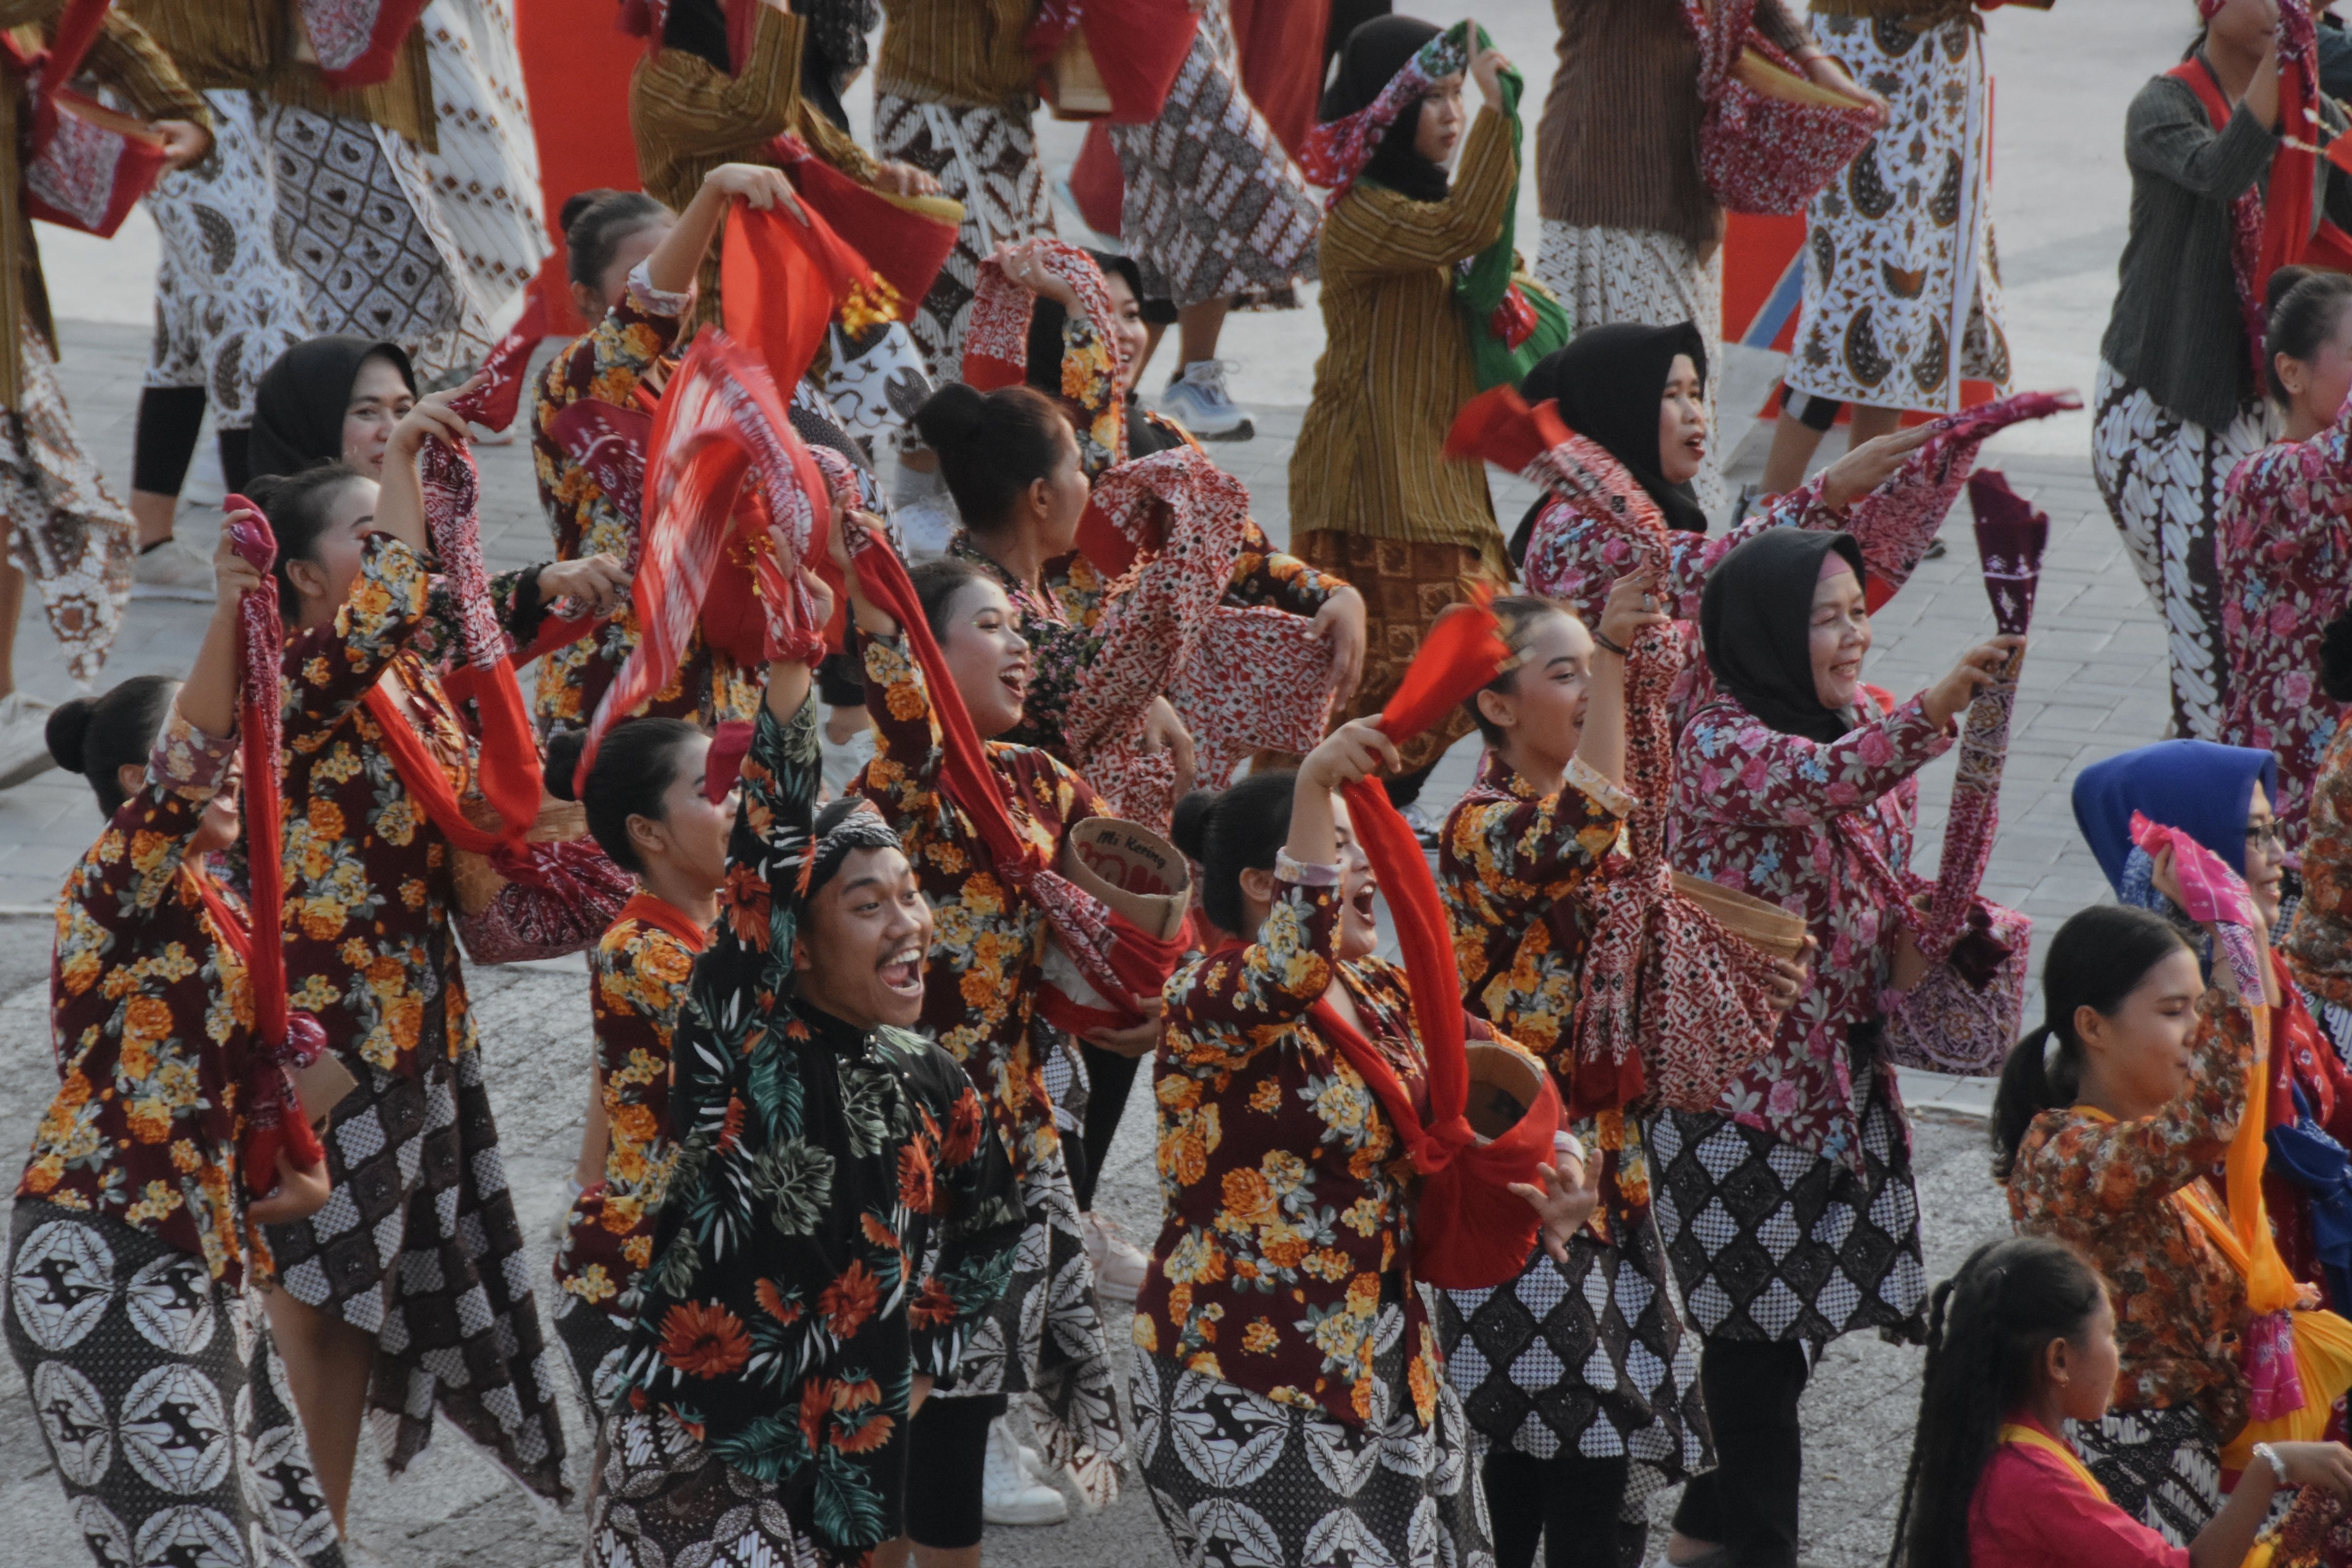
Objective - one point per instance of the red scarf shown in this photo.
(274, 1119)
(659, 912)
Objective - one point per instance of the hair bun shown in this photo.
(2282, 284)
(563, 750)
(579, 203)
(951, 416)
(1189, 831)
(67, 728)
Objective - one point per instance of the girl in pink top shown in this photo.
(2021, 1342)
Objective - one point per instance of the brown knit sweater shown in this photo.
(1618, 144)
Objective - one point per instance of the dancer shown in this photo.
(1212, 209)
(1372, 498)
(368, 1313)
(2123, 1099)
(650, 806)
(1571, 1457)
(2022, 1342)
(2282, 548)
(1796, 783)
(2220, 795)
(881, 1212)
(1045, 1339)
(953, 96)
(65, 531)
(2179, 404)
(1631, 232)
(333, 399)
(1257, 1316)
(632, 264)
(226, 305)
(1902, 301)
(136, 1260)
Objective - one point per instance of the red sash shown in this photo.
(274, 1118)
(510, 764)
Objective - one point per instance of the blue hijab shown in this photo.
(2200, 788)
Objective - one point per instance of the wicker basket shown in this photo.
(1504, 1085)
(1768, 928)
(1134, 871)
(478, 881)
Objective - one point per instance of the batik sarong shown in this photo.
(985, 159)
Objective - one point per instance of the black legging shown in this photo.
(1569, 1500)
(1110, 1078)
(1748, 1501)
(947, 1446)
(165, 442)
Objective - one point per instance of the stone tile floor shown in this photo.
(2093, 685)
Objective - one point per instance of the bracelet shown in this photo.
(2270, 1456)
(1601, 641)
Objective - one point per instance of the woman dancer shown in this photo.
(632, 264)
(840, 1217)
(2282, 549)
(2022, 1342)
(1371, 499)
(136, 1260)
(2179, 398)
(1044, 1339)
(2125, 1097)
(1257, 1315)
(1527, 838)
(1795, 783)
(651, 809)
(368, 1311)
(64, 529)
(330, 400)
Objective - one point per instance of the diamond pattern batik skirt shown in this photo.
(664, 1500)
(162, 1399)
(1241, 1481)
(419, 1247)
(1774, 1243)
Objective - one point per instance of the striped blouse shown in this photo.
(1396, 366)
(965, 52)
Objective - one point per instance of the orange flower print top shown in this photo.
(628, 349)
(636, 985)
(1283, 1264)
(2098, 1183)
(153, 1018)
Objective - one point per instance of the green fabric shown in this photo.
(1482, 283)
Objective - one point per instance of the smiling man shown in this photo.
(838, 1215)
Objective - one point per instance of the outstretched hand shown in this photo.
(1570, 1191)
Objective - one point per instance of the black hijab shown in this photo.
(1755, 620)
(298, 407)
(1370, 61)
(1608, 382)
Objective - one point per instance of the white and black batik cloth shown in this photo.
(985, 159)
(876, 382)
(162, 1399)
(1590, 1358)
(1044, 1341)
(2162, 1467)
(418, 1246)
(2162, 477)
(227, 305)
(664, 1500)
(594, 1340)
(66, 530)
(1241, 1480)
(1639, 275)
(1902, 286)
(1774, 1243)
(481, 187)
(1212, 205)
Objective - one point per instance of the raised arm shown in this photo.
(328, 668)
(1736, 769)
(2169, 134)
(1264, 575)
(1373, 232)
(1501, 861)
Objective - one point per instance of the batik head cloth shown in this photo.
(1337, 150)
(858, 827)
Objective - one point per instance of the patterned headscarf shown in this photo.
(1339, 150)
(856, 825)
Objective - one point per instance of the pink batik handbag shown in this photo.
(1772, 138)
(89, 164)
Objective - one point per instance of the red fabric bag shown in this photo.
(1771, 139)
(1131, 52)
(358, 41)
(89, 164)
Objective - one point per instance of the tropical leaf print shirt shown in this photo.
(1288, 1222)
(2282, 553)
(609, 362)
(981, 991)
(837, 1215)
(1817, 828)
(2100, 1184)
(153, 1018)
(636, 985)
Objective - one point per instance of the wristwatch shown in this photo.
(2270, 1457)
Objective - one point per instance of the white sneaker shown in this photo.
(172, 571)
(1007, 1493)
(1120, 1264)
(1197, 400)
(24, 738)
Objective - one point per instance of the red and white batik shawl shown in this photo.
(996, 341)
(1336, 151)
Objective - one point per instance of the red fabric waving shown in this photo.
(494, 404)
(1138, 46)
(907, 238)
(781, 280)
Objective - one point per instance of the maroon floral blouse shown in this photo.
(2283, 555)
(153, 1018)
(1283, 1260)
(1812, 827)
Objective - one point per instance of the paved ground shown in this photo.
(2093, 685)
